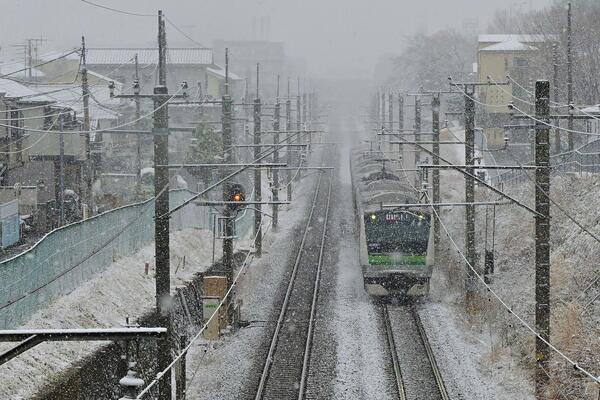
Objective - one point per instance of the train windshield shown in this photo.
(397, 238)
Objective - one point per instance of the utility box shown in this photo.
(216, 287)
(9, 223)
(209, 306)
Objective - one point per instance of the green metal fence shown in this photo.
(67, 257)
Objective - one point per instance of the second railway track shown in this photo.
(415, 369)
(285, 369)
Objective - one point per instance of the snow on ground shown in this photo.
(511, 362)
(122, 290)
(472, 367)
(222, 371)
(361, 353)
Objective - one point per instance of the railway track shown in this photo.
(415, 370)
(285, 371)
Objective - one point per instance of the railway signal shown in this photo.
(236, 197)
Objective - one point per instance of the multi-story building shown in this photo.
(499, 55)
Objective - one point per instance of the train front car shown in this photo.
(394, 244)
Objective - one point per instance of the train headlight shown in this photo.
(373, 217)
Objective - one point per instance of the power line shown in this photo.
(574, 364)
(134, 14)
(182, 32)
(39, 65)
(553, 126)
(561, 208)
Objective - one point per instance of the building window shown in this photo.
(521, 62)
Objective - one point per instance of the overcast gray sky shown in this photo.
(336, 37)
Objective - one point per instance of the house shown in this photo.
(499, 55)
(30, 142)
(215, 83)
(183, 64)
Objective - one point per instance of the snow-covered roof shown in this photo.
(104, 77)
(101, 105)
(510, 45)
(181, 56)
(220, 72)
(16, 90)
(19, 70)
(499, 38)
(591, 109)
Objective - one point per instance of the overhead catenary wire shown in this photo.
(560, 207)
(554, 126)
(556, 104)
(111, 240)
(481, 279)
(104, 130)
(241, 272)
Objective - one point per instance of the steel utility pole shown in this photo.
(61, 167)
(298, 109)
(570, 74)
(390, 115)
(470, 190)
(228, 217)
(417, 136)
(400, 120)
(304, 116)
(435, 109)
(138, 138)
(257, 171)
(382, 117)
(542, 233)
(85, 89)
(161, 210)
(288, 128)
(557, 146)
(276, 128)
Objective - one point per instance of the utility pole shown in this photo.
(391, 111)
(557, 146)
(29, 59)
(382, 117)
(138, 138)
(161, 211)
(435, 109)
(257, 171)
(276, 128)
(381, 120)
(88, 170)
(61, 169)
(288, 128)
(470, 190)
(400, 120)
(542, 233)
(391, 115)
(226, 110)
(304, 116)
(570, 74)
(417, 135)
(298, 108)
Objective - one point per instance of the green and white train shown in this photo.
(394, 243)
